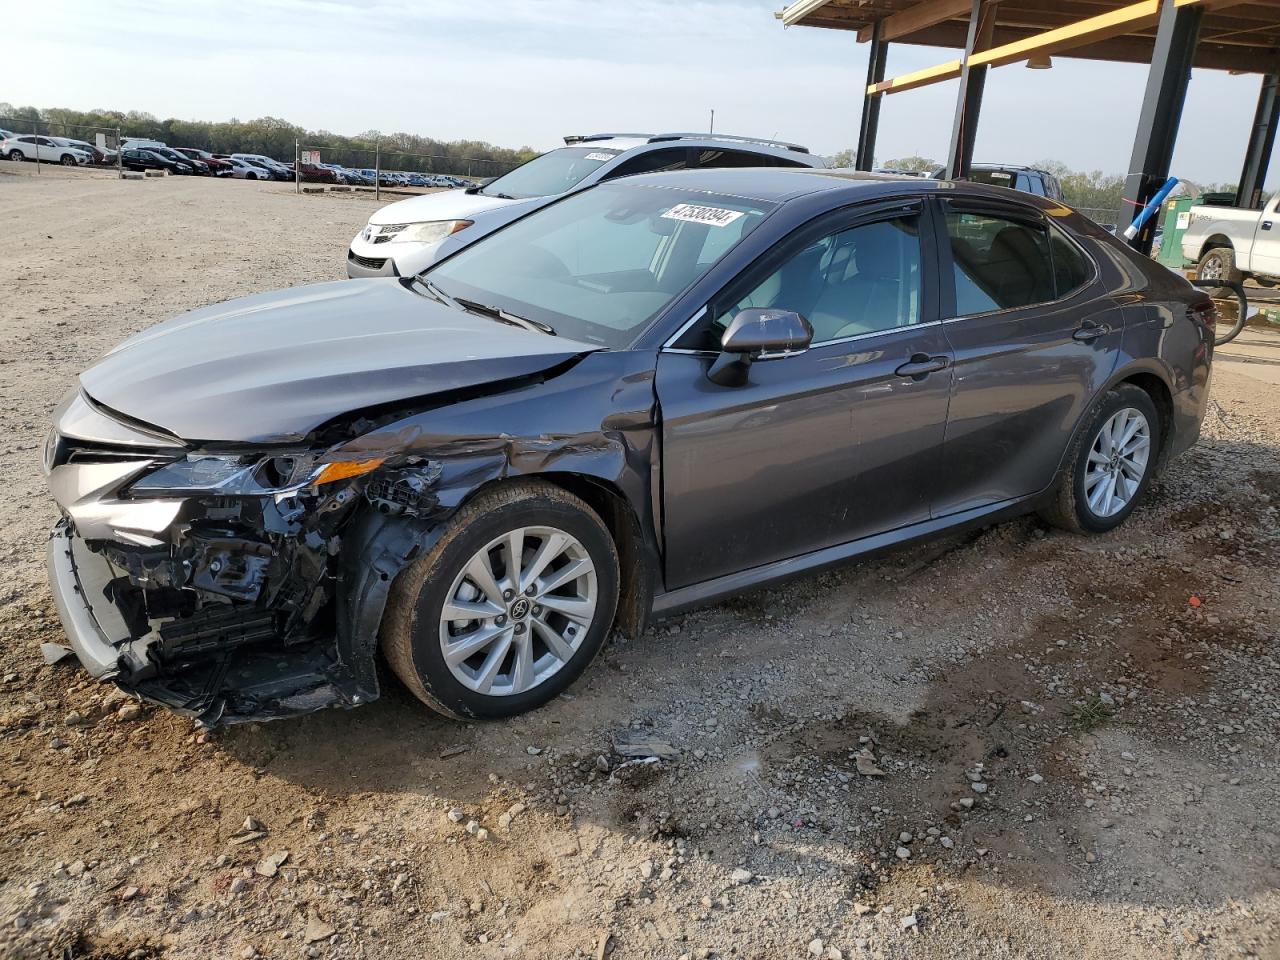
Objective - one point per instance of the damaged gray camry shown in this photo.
(648, 395)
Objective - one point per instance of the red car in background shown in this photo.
(313, 173)
(219, 168)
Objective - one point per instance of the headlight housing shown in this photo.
(220, 475)
(430, 231)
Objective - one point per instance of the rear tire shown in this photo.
(1094, 465)
(1219, 264)
(15, 155)
(519, 651)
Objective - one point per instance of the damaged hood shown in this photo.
(272, 367)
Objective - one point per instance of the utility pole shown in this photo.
(297, 167)
(119, 155)
(377, 169)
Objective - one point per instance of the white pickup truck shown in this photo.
(1231, 244)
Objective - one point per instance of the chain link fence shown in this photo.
(379, 167)
(54, 142)
(390, 169)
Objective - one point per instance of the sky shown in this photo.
(528, 72)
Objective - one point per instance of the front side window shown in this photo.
(998, 264)
(550, 174)
(860, 280)
(600, 265)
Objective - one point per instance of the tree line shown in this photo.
(274, 138)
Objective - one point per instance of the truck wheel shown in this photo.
(1219, 264)
(508, 608)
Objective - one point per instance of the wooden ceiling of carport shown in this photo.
(1234, 35)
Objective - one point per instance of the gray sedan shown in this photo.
(648, 395)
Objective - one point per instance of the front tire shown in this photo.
(68, 160)
(1110, 463)
(508, 608)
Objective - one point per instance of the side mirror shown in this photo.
(758, 333)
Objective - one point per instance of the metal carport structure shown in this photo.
(1173, 36)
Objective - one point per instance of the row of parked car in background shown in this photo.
(140, 155)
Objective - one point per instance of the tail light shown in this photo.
(1205, 312)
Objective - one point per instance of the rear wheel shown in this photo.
(1110, 463)
(509, 607)
(1219, 264)
(15, 154)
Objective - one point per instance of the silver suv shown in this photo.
(407, 237)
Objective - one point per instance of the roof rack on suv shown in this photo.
(661, 137)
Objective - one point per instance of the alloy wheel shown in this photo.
(1118, 459)
(518, 611)
(1211, 269)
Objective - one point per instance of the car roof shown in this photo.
(1008, 166)
(777, 184)
(629, 141)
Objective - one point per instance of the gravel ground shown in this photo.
(1017, 743)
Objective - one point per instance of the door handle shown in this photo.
(1090, 331)
(921, 365)
(1266, 224)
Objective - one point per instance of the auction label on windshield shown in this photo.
(601, 156)
(712, 216)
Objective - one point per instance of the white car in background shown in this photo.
(407, 237)
(44, 149)
(244, 170)
(274, 166)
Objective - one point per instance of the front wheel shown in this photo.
(68, 160)
(1110, 463)
(508, 608)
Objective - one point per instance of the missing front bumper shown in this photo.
(233, 672)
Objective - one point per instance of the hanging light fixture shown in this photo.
(1039, 61)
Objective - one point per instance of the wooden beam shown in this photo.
(1092, 30)
(915, 18)
(1115, 23)
(920, 78)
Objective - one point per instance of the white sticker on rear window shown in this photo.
(694, 213)
(1001, 175)
(600, 156)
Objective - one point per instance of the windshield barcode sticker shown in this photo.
(600, 156)
(712, 216)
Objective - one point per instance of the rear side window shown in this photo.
(1071, 268)
(998, 264)
(655, 161)
(1004, 263)
(742, 158)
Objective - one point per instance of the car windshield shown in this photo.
(550, 174)
(600, 265)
